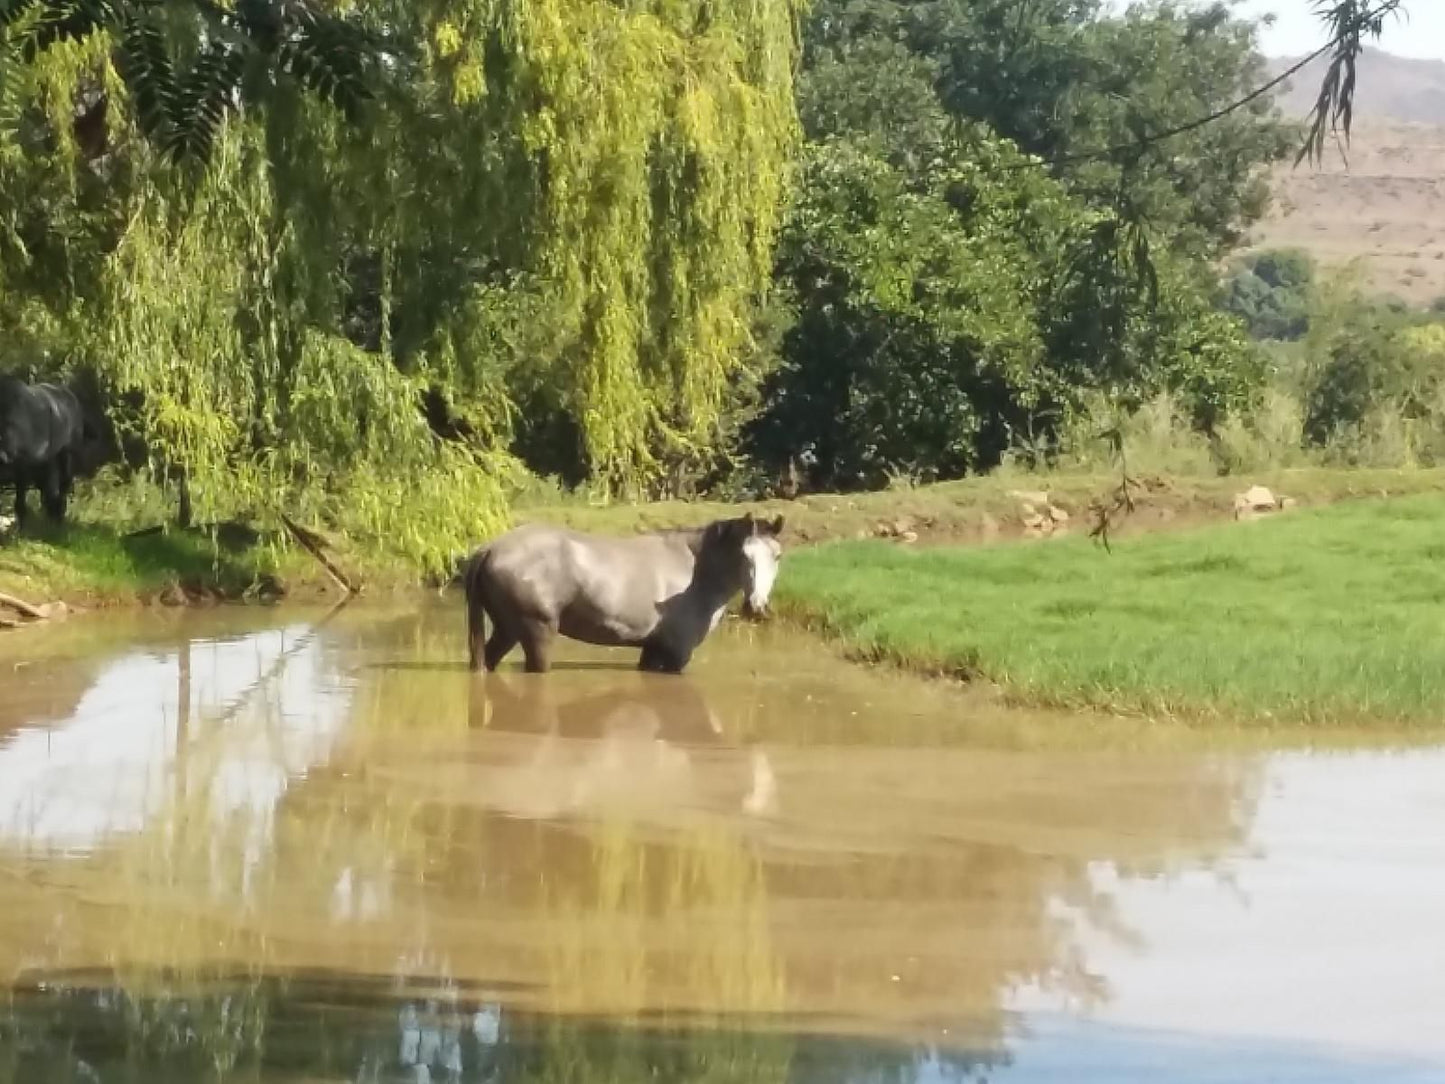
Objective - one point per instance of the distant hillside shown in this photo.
(1391, 88)
(1384, 206)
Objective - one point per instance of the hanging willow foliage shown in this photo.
(567, 203)
(635, 155)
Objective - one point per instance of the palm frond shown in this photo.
(202, 99)
(149, 75)
(182, 111)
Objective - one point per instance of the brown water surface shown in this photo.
(295, 847)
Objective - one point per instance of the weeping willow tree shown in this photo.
(592, 192)
(547, 218)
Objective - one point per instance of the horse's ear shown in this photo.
(776, 527)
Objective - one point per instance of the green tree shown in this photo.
(1272, 291)
(958, 297)
(567, 209)
(915, 343)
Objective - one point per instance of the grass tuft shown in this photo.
(1333, 615)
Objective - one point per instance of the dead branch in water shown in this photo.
(315, 545)
(29, 614)
(24, 609)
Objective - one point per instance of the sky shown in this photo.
(1297, 30)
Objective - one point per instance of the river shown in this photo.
(285, 846)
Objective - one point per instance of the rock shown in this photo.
(1288, 503)
(896, 529)
(1254, 502)
(1029, 496)
(172, 595)
(1057, 514)
(1033, 521)
(908, 536)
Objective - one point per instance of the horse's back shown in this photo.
(41, 420)
(593, 587)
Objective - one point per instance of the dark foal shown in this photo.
(41, 429)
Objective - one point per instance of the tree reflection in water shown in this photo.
(284, 1031)
(598, 877)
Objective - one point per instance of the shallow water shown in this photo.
(243, 846)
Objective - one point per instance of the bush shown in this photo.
(1271, 292)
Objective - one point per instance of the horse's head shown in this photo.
(751, 553)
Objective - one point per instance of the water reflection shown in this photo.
(327, 852)
(635, 741)
(121, 755)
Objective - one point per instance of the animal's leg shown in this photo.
(54, 489)
(476, 617)
(536, 637)
(662, 658)
(22, 486)
(497, 647)
(67, 477)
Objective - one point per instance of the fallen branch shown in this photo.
(24, 609)
(313, 544)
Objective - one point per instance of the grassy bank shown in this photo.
(93, 564)
(107, 557)
(1325, 615)
(987, 509)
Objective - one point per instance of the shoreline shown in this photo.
(934, 582)
(89, 566)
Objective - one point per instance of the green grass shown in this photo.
(1327, 615)
(98, 560)
(95, 564)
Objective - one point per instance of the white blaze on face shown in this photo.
(762, 555)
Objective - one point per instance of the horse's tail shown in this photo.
(476, 612)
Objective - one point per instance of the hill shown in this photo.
(1383, 201)
(1395, 89)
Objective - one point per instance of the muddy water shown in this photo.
(234, 847)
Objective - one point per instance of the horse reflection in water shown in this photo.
(648, 743)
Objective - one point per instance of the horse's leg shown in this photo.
(53, 493)
(476, 614)
(483, 651)
(497, 647)
(22, 485)
(66, 482)
(662, 658)
(536, 637)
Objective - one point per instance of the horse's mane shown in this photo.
(695, 537)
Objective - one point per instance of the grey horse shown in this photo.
(662, 592)
(41, 429)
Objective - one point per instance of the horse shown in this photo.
(41, 430)
(662, 592)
